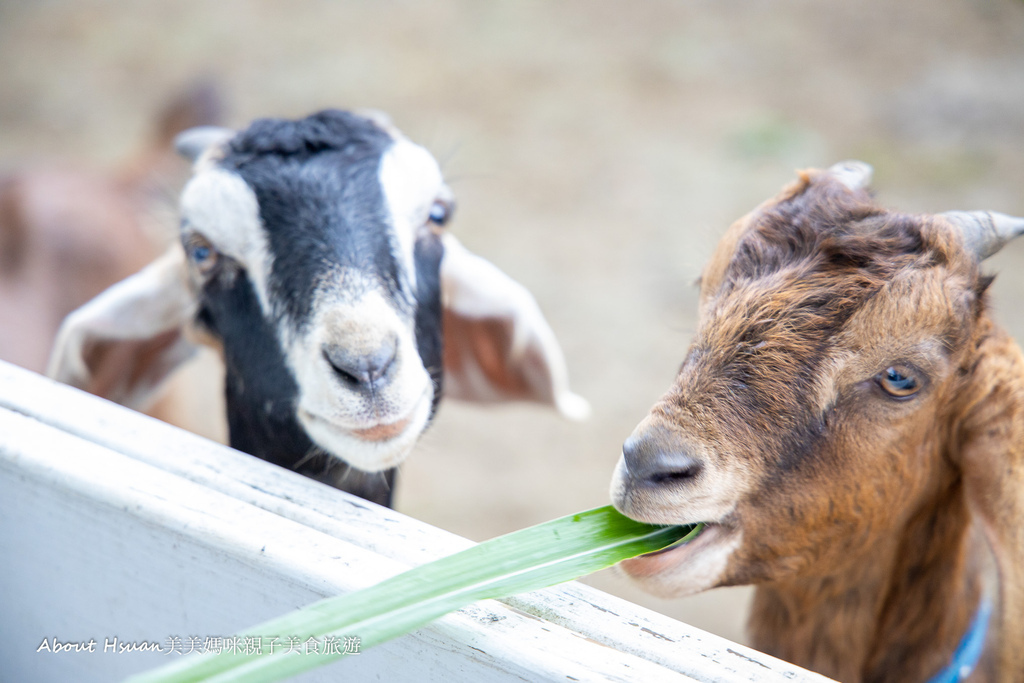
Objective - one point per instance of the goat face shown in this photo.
(315, 250)
(811, 411)
(314, 258)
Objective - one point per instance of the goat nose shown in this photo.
(362, 370)
(655, 460)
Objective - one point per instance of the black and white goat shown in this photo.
(313, 255)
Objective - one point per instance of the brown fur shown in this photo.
(871, 526)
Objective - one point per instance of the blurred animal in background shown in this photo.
(67, 234)
(849, 423)
(314, 256)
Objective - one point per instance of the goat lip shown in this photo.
(378, 433)
(699, 528)
(662, 560)
(383, 432)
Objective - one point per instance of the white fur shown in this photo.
(411, 181)
(221, 207)
(329, 411)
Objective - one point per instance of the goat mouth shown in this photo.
(370, 448)
(704, 536)
(695, 531)
(378, 433)
(383, 432)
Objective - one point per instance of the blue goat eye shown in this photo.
(898, 383)
(201, 253)
(439, 213)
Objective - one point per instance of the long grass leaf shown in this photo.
(525, 560)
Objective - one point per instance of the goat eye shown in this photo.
(897, 383)
(201, 253)
(440, 212)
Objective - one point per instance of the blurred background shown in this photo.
(597, 149)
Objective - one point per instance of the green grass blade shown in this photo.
(525, 560)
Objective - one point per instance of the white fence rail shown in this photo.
(118, 529)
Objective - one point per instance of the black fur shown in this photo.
(261, 405)
(316, 181)
(429, 337)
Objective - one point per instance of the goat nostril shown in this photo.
(678, 472)
(361, 370)
(380, 361)
(344, 365)
(658, 462)
(348, 377)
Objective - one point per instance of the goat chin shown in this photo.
(360, 448)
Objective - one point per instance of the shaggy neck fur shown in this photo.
(898, 612)
(894, 615)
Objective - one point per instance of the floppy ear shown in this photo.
(497, 344)
(990, 432)
(126, 341)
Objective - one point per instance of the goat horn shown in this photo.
(382, 119)
(856, 175)
(985, 232)
(193, 142)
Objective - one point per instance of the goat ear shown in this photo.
(126, 341)
(990, 435)
(497, 344)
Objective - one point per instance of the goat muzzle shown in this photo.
(363, 371)
(655, 456)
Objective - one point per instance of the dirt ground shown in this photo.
(597, 148)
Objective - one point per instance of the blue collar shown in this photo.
(968, 652)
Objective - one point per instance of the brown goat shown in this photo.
(849, 422)
(67, 234)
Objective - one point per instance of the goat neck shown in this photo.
(894, 614)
